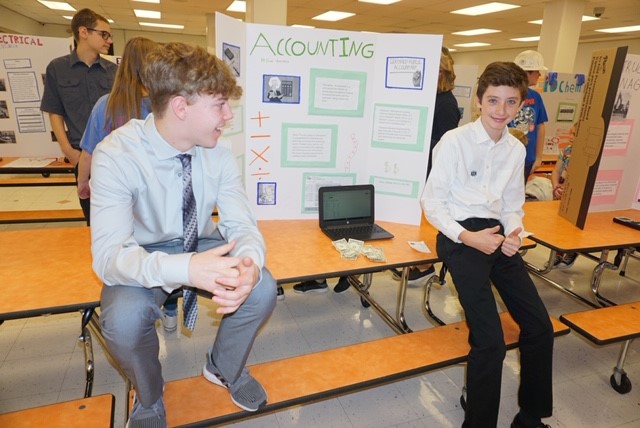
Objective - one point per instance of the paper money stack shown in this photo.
(352, 248)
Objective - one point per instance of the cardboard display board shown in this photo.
(330, 107)
(595, 113)
(618, 174)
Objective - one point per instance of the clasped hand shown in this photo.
(488, 240)
(230, 279)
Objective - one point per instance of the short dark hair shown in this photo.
(503, 74)
(180, 69)
(85, 18)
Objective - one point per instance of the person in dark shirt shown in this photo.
(74, 82)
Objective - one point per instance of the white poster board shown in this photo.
(617, 184)
(25, 130)
(562, 96)
(331, 107)
(464, 91)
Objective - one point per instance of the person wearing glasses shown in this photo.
(74, 82)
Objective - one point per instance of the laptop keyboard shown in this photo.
(354, 231)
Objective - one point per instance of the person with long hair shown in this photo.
(126, 101)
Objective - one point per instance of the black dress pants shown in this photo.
(473, 272)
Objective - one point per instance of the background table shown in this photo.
(600, 234)
(54, 167)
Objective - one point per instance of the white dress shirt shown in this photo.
(473, 176)
(136, 200)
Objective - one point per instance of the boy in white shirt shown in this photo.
(474, 197)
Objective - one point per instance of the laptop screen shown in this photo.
(346, 204)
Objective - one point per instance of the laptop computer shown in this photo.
(349, 212)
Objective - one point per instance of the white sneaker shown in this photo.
(170, 322)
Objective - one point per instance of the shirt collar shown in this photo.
(74, 59)
(483, 137)
(162, 149)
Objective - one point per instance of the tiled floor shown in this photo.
(41, 360)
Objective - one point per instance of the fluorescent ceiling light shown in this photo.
(302, 26)
(148, 1)
(585, 18)
(238, 6)
(452, 50)
(485, 8)
(527, 39)
(621, 29)
(385, 2)
(476, 32)
(472, 45)
(157, 24)
(333, 15)
(141, 13)
(67, 17)
(57, 5)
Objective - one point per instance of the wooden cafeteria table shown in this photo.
(600, 234)
(54, 167)
(48, 271)
(297, 250)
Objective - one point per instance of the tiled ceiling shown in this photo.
(406, 16)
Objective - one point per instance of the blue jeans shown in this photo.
(128, 316)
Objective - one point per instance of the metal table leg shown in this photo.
(362, 288)
(91, 322)
(619, 379)
(540, 273)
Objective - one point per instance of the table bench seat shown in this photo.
(325, 374)
(603, 326)
(86, 412)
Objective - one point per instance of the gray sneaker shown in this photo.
(246, 392)
(147, 417)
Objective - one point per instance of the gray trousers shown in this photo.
(128, 316)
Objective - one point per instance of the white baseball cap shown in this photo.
(530, 61)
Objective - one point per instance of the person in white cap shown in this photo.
(533, 115)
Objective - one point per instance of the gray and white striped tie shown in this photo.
(190, 231)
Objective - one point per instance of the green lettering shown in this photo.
(266, 45)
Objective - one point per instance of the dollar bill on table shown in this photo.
(349, 254)
(340, 245)
(356, 245)
(374, 254)
(419, 246)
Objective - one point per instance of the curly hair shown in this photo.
(179, 69)
(446, 77)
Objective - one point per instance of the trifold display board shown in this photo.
(618, 178)
(330, 107)
(562, 96)
(24, 129)
(596, 112)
